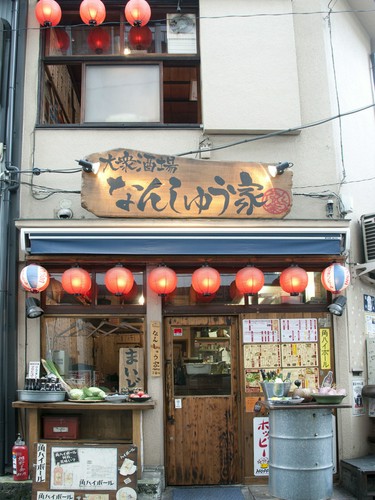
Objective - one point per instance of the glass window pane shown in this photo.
(122, 94)
(202, 361)
(86, 350)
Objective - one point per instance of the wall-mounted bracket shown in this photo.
(362, 271)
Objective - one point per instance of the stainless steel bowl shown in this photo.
(41, 396)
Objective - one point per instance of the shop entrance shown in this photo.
(201, 400)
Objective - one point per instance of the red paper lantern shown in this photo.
(99, 40)
(62, 39)
(162, 280)
(249, 280)
(137, 12)
(48, 12)
(335, 278)
(76, 281)
(119, 280)
(293, 280)
(206, 280)
(92, 12)
(140, 38)
(34, 278)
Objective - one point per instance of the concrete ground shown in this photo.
(260, 492)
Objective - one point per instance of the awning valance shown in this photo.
(182, 241)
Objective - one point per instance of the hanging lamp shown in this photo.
(62, 39)
(76, 281)
(137, 12)
(249, 280)
(140, 38)
(206, 280)
(34, 278)
(119, 280)
(98, 40)
(48, 13)
(92, 12)
(293, 280)
(335, 278)
(162, 280)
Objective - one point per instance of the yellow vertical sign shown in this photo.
(325, 348)
(155, 349)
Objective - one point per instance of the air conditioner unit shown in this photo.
(368, 234)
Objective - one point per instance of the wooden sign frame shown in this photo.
(69, 470)
(132, 183)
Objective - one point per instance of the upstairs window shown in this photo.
(116, 74)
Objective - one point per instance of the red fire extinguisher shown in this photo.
(20, 458)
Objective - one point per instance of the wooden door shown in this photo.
(201, 401)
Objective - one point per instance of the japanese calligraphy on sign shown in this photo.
(155, 350)
(261, 445)
(133, 183)
(325, 348)
(131, 368)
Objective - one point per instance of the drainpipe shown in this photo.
(8, 342)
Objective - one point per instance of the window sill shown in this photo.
(96, 126)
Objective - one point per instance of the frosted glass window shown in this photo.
(122, 94)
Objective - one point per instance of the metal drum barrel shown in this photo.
(300, 454)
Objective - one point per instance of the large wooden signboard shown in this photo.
(138, 184)
(70, 470)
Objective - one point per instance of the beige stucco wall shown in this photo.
(260, 98)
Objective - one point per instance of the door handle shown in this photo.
(169, 390)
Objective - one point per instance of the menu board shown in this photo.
(261, 330)
(262, 356)
(299, 330)
(98, 472)
(295, 355)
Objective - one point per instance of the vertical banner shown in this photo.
(261, 445)
(155, 349)
(325, 348)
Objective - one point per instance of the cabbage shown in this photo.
(76, 394)
(97, 392)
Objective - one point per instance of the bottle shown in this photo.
(58, 474)
(20, 460)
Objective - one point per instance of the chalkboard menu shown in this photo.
(72, 471)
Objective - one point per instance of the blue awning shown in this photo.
(182, 242)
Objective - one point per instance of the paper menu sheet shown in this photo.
(262, 356)
(299, 330)
(261, 330)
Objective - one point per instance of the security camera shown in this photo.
(338, 305)
(64, 213)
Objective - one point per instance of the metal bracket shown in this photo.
(362, 270)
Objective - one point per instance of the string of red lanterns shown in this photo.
(163, 280)
(92, 12)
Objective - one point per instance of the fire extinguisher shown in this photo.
(20, 458)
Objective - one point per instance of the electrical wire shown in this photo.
(282, 132)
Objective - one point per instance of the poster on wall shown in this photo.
(262, 356)
(261, 446)
(298, 354)
(358, 408)
(299, 330)
(370, 325)
(261, 330)
(69, 471)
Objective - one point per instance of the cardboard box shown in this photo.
(60, 427)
